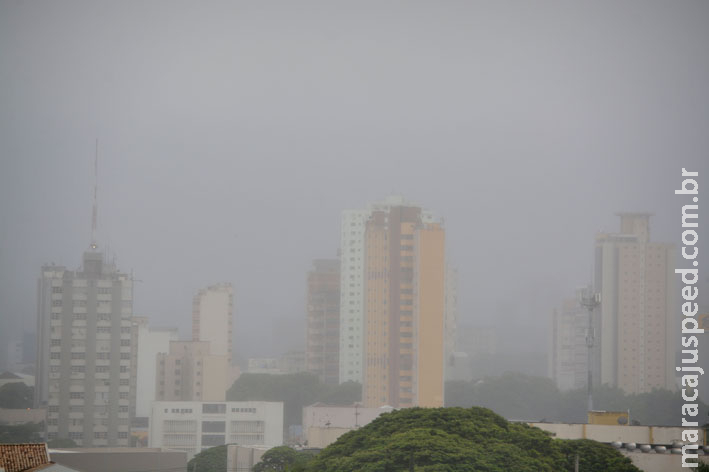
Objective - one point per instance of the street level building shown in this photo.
(195, 426)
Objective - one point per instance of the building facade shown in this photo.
(404, 319)
(84, 352)
(190, 372)
(195, 426)
(636, 329)
(568, 359)
(352, 281)
(148, 343)
(451, 320)
(212, 310)
(322, 351)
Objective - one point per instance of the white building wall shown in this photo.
(351, 294)
(196, 426)
(151, 342)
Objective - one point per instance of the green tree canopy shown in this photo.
(522, 397)
(294, 390)
(282, 459)
(21, 433)
(210, 460)
(16, 395)
(458, 439)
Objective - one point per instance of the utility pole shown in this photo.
(590, 299)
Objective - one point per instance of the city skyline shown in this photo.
(186, 173)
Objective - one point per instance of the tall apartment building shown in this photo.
(189, 372)
(568, 360)
(212, 310)
(404, 299)
(636, 328)
(84, 352)
(323, 321)
(351, 285)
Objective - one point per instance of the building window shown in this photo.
(214, 408)
(212, 439)
(213, 426)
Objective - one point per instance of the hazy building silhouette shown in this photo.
(212, 310)
(84, 352)
(636, 329)
(568, 359)
(322, 351)
(190, 372)
(451, 318)
(352, 281)
(404, 326)
(148, 343)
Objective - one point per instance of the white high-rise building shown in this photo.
(212, 310)
(351, 294)
(84, 352)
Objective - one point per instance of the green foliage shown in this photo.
(457, 439)
(294, 390)
(16, 395)
(211, 460)
(521, 397)
(593, 456)
(343, 394)
(702, 467)
(62, 443)
(282, 459)
(21, 433)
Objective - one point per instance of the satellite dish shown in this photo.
(622, 420)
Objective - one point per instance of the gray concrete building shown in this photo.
(84, 351)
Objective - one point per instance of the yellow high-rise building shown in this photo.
(404, 305)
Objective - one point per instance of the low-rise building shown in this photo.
(195, 426)
(323, 424)
(651, 448)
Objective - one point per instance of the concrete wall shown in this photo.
(318, 437)
(243, 458)
(649, 462)
(607, 433)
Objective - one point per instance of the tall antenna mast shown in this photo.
(95, 208)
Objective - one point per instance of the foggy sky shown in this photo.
(232, 134)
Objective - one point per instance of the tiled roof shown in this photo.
(19, 457)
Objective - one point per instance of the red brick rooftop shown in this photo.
(19, 457)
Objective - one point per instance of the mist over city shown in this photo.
(229, 144)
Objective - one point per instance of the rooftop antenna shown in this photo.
(95, 207)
